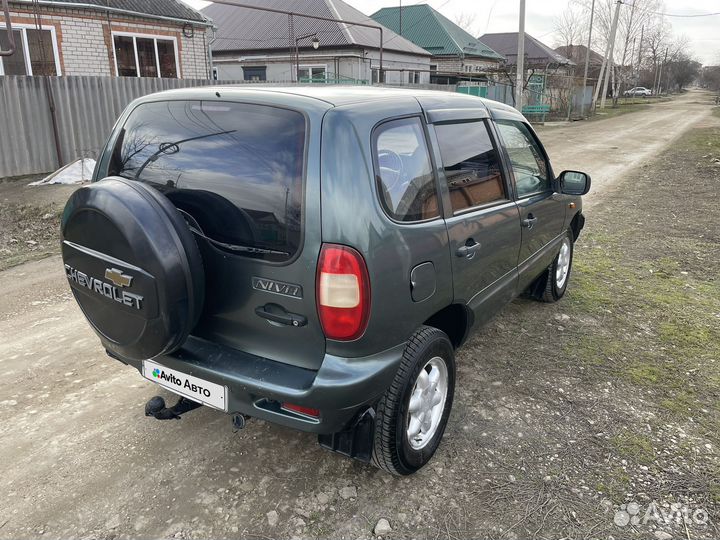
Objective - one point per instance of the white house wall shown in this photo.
(353, 64)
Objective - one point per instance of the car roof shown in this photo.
(333, 95)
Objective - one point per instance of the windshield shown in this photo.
(235, 170)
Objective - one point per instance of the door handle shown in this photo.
(469, 249)
(529, 221)
(277, 314)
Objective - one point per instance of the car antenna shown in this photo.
(217, 94)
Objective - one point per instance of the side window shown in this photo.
(403, 170)
(471, 163)
(528, 163)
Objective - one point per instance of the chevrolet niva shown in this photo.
(314, 256)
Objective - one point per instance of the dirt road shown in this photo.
(528, 439)
(606, 149)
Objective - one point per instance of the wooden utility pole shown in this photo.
(520, 75)
(659, 79)
(610, 48)
(587, 59)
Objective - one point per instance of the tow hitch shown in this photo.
(156, 407)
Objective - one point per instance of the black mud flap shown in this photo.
(356, 442)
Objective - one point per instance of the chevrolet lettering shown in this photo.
(106, 289)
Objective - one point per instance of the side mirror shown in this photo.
(574, 182)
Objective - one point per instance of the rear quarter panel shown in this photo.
(352, 215)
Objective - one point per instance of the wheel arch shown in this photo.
(455, 320)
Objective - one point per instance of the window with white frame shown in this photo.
(140, 55)
(313, 73)
(36, 51)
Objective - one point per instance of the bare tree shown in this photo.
(636, 17)
(570, 27)
(467, 20)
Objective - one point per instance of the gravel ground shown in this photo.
(29, 219)
(594, 417)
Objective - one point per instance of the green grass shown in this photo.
(615, 484)
(630, 445)
(625, 106)
(664, 324)
(610, 112)
(652, 295)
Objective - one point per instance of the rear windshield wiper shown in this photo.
(194, 227)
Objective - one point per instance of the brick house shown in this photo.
(128, 38)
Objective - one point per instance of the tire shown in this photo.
(133, 267)
(550, 286)
(428, 349)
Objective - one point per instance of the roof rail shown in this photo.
(11, 35)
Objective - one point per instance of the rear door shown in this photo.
(246, 178)
(482, 220)
(542, 211)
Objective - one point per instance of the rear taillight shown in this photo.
(343, 292)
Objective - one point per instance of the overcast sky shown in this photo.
(502, 16)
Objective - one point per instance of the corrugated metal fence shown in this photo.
(85, 110)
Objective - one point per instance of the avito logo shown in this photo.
(186, 384)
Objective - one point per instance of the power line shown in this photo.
(688, 15)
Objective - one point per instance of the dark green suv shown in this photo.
(314, 256)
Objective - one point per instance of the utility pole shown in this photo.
(400, 19)
(655, 73)
(659, 80)
(587, 59)
(642, 35)
(520, 75)
(610, 48)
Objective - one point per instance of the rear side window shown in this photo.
(404, 173)
(235, 170)
(471, 164)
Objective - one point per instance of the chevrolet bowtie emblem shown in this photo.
(117, 277)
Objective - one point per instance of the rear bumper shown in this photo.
(256, 386)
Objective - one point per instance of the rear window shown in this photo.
(404, 172)
(235, 170)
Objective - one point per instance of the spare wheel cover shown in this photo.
(133, 266)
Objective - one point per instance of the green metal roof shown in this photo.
(434, 32)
